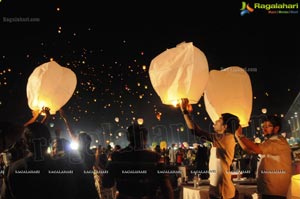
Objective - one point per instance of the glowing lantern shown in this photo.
(50, 85)
(295, 191)
(153, 145)
(229, 91)
(185, 145)
(180, 72)
(117, 119)
(140, 121)
(163, 145)
(264, 110)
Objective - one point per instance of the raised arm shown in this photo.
(246, 144)
(186, 110)
(70, 132)
(35, 115)
(46, 112)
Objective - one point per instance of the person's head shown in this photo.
(9, 134)
(137, 135)
(37, 137)
(227, 123)
(117, 147)
(271, 125)
(85, 140)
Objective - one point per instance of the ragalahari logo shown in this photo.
(246, 9)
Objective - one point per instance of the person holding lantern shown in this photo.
(222, 151)
(38, 175)
(275, 167)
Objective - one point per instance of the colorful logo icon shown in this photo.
(246, 9)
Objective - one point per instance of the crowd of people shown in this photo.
(30, 170)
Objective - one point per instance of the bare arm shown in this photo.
(186, 110)
(70, 132)
(35, 115)
(46, 111)
(245, 143)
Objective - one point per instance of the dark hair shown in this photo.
(137, 134)
(37, 137)
(232, 122)
(84, 138)
(274, 120)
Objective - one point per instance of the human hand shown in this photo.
(46, 111)
(185, 105)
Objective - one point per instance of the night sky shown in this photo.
(110, 48)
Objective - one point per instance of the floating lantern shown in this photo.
(229, 91)
(50, 85)
(179, 72)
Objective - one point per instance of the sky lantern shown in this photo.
(140, 121)
(50, 85)
(295, 186)
(179, 72)
(229, 91)
(264, 110)
(163, 145)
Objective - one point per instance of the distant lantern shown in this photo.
(163, 145)
(185, 145)
(140, 121)
(117, 119)
(50, 85)
(179, 72)
(264, 110)
(229, 91)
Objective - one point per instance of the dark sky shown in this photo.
(108, 45)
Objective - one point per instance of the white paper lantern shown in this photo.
(229, 91)
(180, 72)
(50, 85)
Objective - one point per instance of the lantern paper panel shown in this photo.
(50, 85)
(163, 145)
(179, 72)
(295, 190)
(229, 91)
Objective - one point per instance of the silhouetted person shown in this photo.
(135, 169)
(40, 176)
(202, 159)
